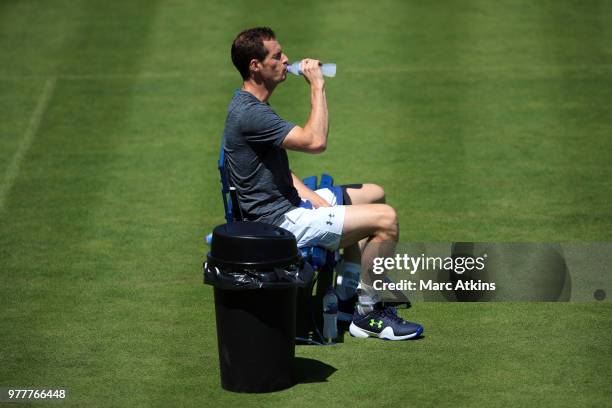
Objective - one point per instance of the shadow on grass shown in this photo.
(312, 371)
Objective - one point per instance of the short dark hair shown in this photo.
(249, 45)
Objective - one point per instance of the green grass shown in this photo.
(482, 121)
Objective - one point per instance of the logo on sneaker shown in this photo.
(383, 323)
(374, 323)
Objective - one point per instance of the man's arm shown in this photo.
(312, 138)
(307, 194)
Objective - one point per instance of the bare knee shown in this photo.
(370, 221)
(376, 193)
(388, 227)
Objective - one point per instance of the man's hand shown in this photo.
(311, 69)
(318, 201)
(312, 138)
(307, 194)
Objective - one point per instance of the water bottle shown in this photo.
(330, 315)
(347, 280)
(328, 70)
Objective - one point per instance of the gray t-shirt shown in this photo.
(255, 162)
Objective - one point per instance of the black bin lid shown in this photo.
(244, 244)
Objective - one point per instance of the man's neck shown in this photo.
(257, 89)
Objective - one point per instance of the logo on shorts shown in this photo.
(330, 217)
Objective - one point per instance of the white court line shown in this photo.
(13, 169)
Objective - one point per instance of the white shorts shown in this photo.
(319, 226)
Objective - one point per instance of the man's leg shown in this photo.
(377, 224)
(360, 194)
(363, 194)
(349, 270)
(374, 224)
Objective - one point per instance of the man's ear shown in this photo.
(254, 66)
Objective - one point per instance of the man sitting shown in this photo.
(256, 139)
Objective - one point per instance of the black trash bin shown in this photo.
(255, 269)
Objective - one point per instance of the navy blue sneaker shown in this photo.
(383, 323)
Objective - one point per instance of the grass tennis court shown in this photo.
(484, 121)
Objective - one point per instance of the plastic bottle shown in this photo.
(347, 279)
(330, 315)
(328, 70)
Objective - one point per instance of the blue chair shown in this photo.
(309, 319)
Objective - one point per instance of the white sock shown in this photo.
(364, 309)
(368, 297)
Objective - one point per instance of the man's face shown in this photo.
(274, 67)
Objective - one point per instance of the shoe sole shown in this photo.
(386, 334)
